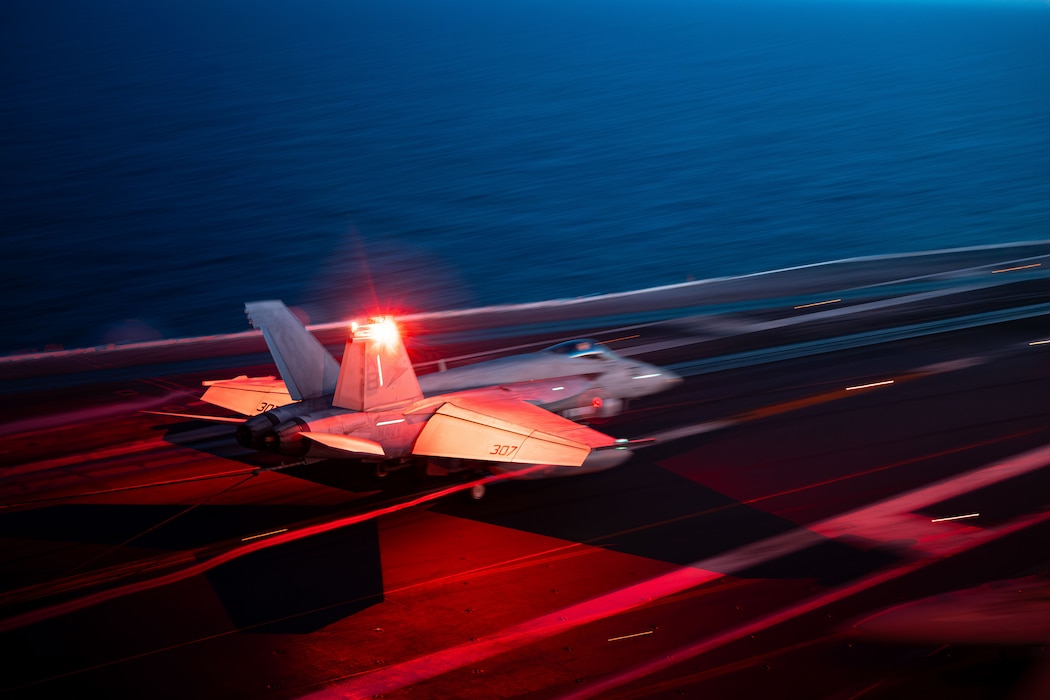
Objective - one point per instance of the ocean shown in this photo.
(164, 162)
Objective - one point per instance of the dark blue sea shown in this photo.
(166, 161)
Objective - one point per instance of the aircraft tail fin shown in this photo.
(376, 369)
(308, 370)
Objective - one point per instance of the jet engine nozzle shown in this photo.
(258, 432)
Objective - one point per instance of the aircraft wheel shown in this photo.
(477, 491)
(381, 471)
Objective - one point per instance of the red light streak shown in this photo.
(440, 662)
(894, 465)
(793, 611)
(135, 487)
(87, 415)
(47, 613)
(622, 600)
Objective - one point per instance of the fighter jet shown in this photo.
(371, 409)
(603, 383)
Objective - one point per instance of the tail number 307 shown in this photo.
(503, 450)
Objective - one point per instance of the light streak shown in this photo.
(1019, 267)
(634, 596)
(868, 386)
(956, 517)
(630, 636)
(251, 471)
(647, 376)
(379, 366)
(264, 534)
(558, 388)
(88, 415)
(616, 340)
(200, 567)
(1022, 463)
(390, 422)
(1039, 342)
(818, 303)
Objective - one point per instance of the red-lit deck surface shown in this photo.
(729, 560)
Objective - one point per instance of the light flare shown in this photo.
(381, 329)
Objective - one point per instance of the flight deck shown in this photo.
(846, 441)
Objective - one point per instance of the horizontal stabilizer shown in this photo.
(354, 446)
(247, 395)
(506, 431)
(214, 419)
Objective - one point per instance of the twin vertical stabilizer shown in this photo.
(376, 371)
(308, 370)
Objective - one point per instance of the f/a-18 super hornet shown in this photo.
(604, 382)
(371, 408)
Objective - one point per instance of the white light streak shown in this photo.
(390, 422)
(630, 636)
(818, 303)
(558, 388)
(868, 386)
(647, 376)
(956, 517)
(265, 534)
(1040, 342)
(379, 365)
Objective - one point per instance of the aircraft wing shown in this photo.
(506, 430)
(347, 445)
(247, 396)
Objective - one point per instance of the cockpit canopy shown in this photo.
(586, 348)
